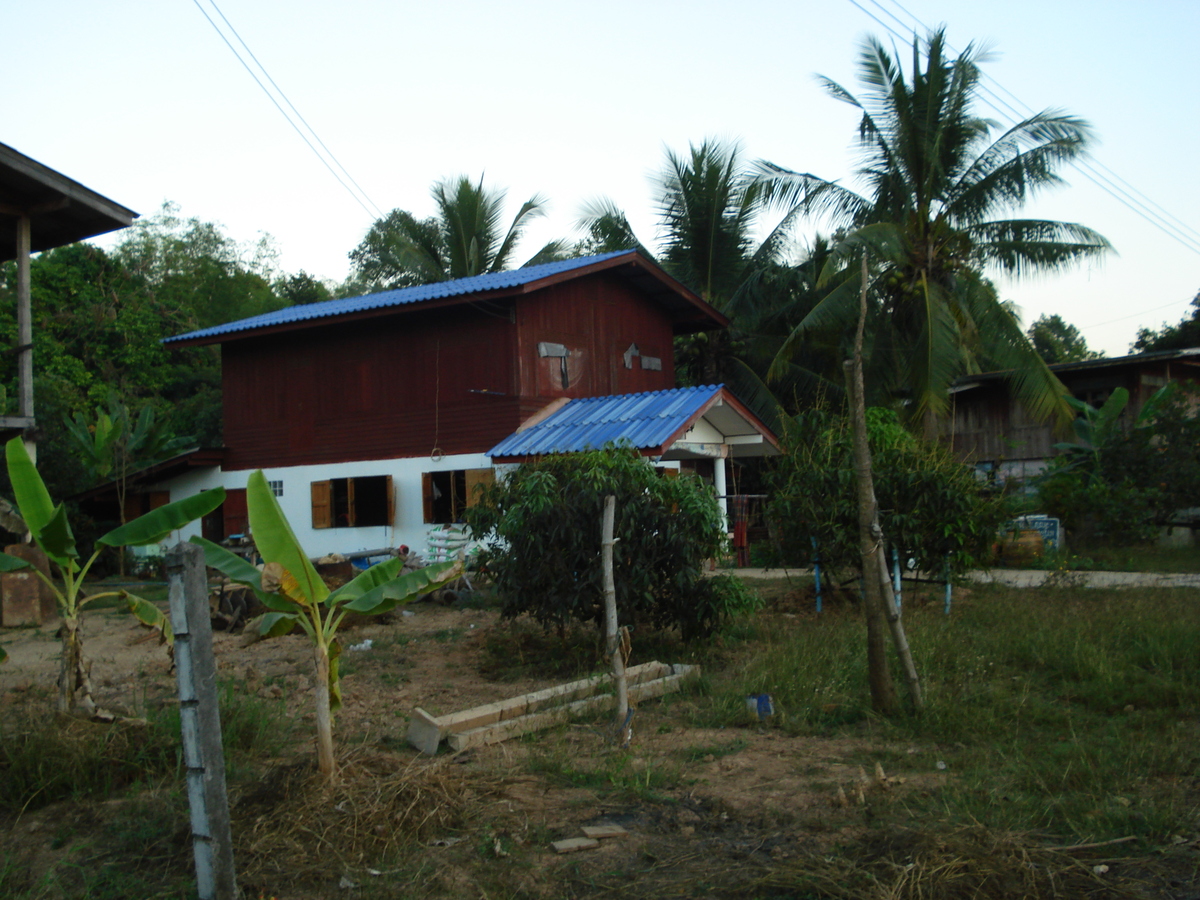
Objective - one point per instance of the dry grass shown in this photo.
(967, 863)
(295, 827)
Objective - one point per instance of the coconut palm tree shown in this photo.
(463, 239)
(709, 207)
(937, 187)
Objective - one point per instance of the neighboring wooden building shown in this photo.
(372, 416)
(988, 427)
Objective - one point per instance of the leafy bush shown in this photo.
(541, 526)
(931, 507)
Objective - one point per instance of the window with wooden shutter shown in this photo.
(477, 479)
(351, 508)
(446, 495)
(364, 502)
(322, 504)
(236, 518)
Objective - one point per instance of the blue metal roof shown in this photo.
(402, 297)
(644, 421)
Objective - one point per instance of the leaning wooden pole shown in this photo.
(891, 610)
(879, 676)
(615, 651)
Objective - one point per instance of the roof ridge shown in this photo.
(436, 290)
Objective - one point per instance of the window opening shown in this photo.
(353, 502)
(447, 494)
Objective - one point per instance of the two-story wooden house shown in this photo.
(373, 417)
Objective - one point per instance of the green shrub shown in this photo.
(932, 508)
(541, 527)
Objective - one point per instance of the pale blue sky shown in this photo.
(142, 101)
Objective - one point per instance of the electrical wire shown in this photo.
(358, 199)
(1132, 199)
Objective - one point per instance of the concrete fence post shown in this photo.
(200, 722)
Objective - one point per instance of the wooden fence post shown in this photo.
(615, 651)
(200, 722)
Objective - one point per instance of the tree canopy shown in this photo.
(1184, 334)
(464, 238)
(1056, 341)
(937, 183)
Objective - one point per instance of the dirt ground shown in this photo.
(736, 803)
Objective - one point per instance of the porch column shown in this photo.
(25, 329)
(719, 484)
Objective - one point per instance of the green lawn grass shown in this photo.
(1060, 711)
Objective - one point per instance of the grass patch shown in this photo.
(1146, 558)
(621, 775)
(1069, 712)
(716, 751)
(47, 758)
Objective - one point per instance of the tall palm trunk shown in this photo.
(879, 675)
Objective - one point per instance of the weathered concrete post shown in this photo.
(615, 651)
(200, 722)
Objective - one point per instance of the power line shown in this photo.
(1144, 207)
(358, 199)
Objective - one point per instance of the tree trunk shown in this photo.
(74, 680)
(324, 716)
(879, 675)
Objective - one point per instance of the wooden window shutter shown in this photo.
(427, 495)
(236, 518)
(476, 478)
(351, 513)
(159, 498)
(391, 502)
(322, 496)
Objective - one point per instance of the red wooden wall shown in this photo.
(597, 319)
(458, 379)
(391, 387)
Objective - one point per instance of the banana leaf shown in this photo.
(372, 596)
(276, 624)
(237, 569)
(56, 535)
(277, 542)
(11, 563)
(33, 499)
(32, 496)
(158, 523)
(150, 615)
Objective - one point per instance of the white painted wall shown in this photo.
(296, 502)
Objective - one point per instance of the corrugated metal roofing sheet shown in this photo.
(402, 297)
(642, 420)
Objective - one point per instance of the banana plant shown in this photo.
(1097, 428)
(289, 587)
(48, 525)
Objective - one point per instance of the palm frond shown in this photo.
(1022, 247)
